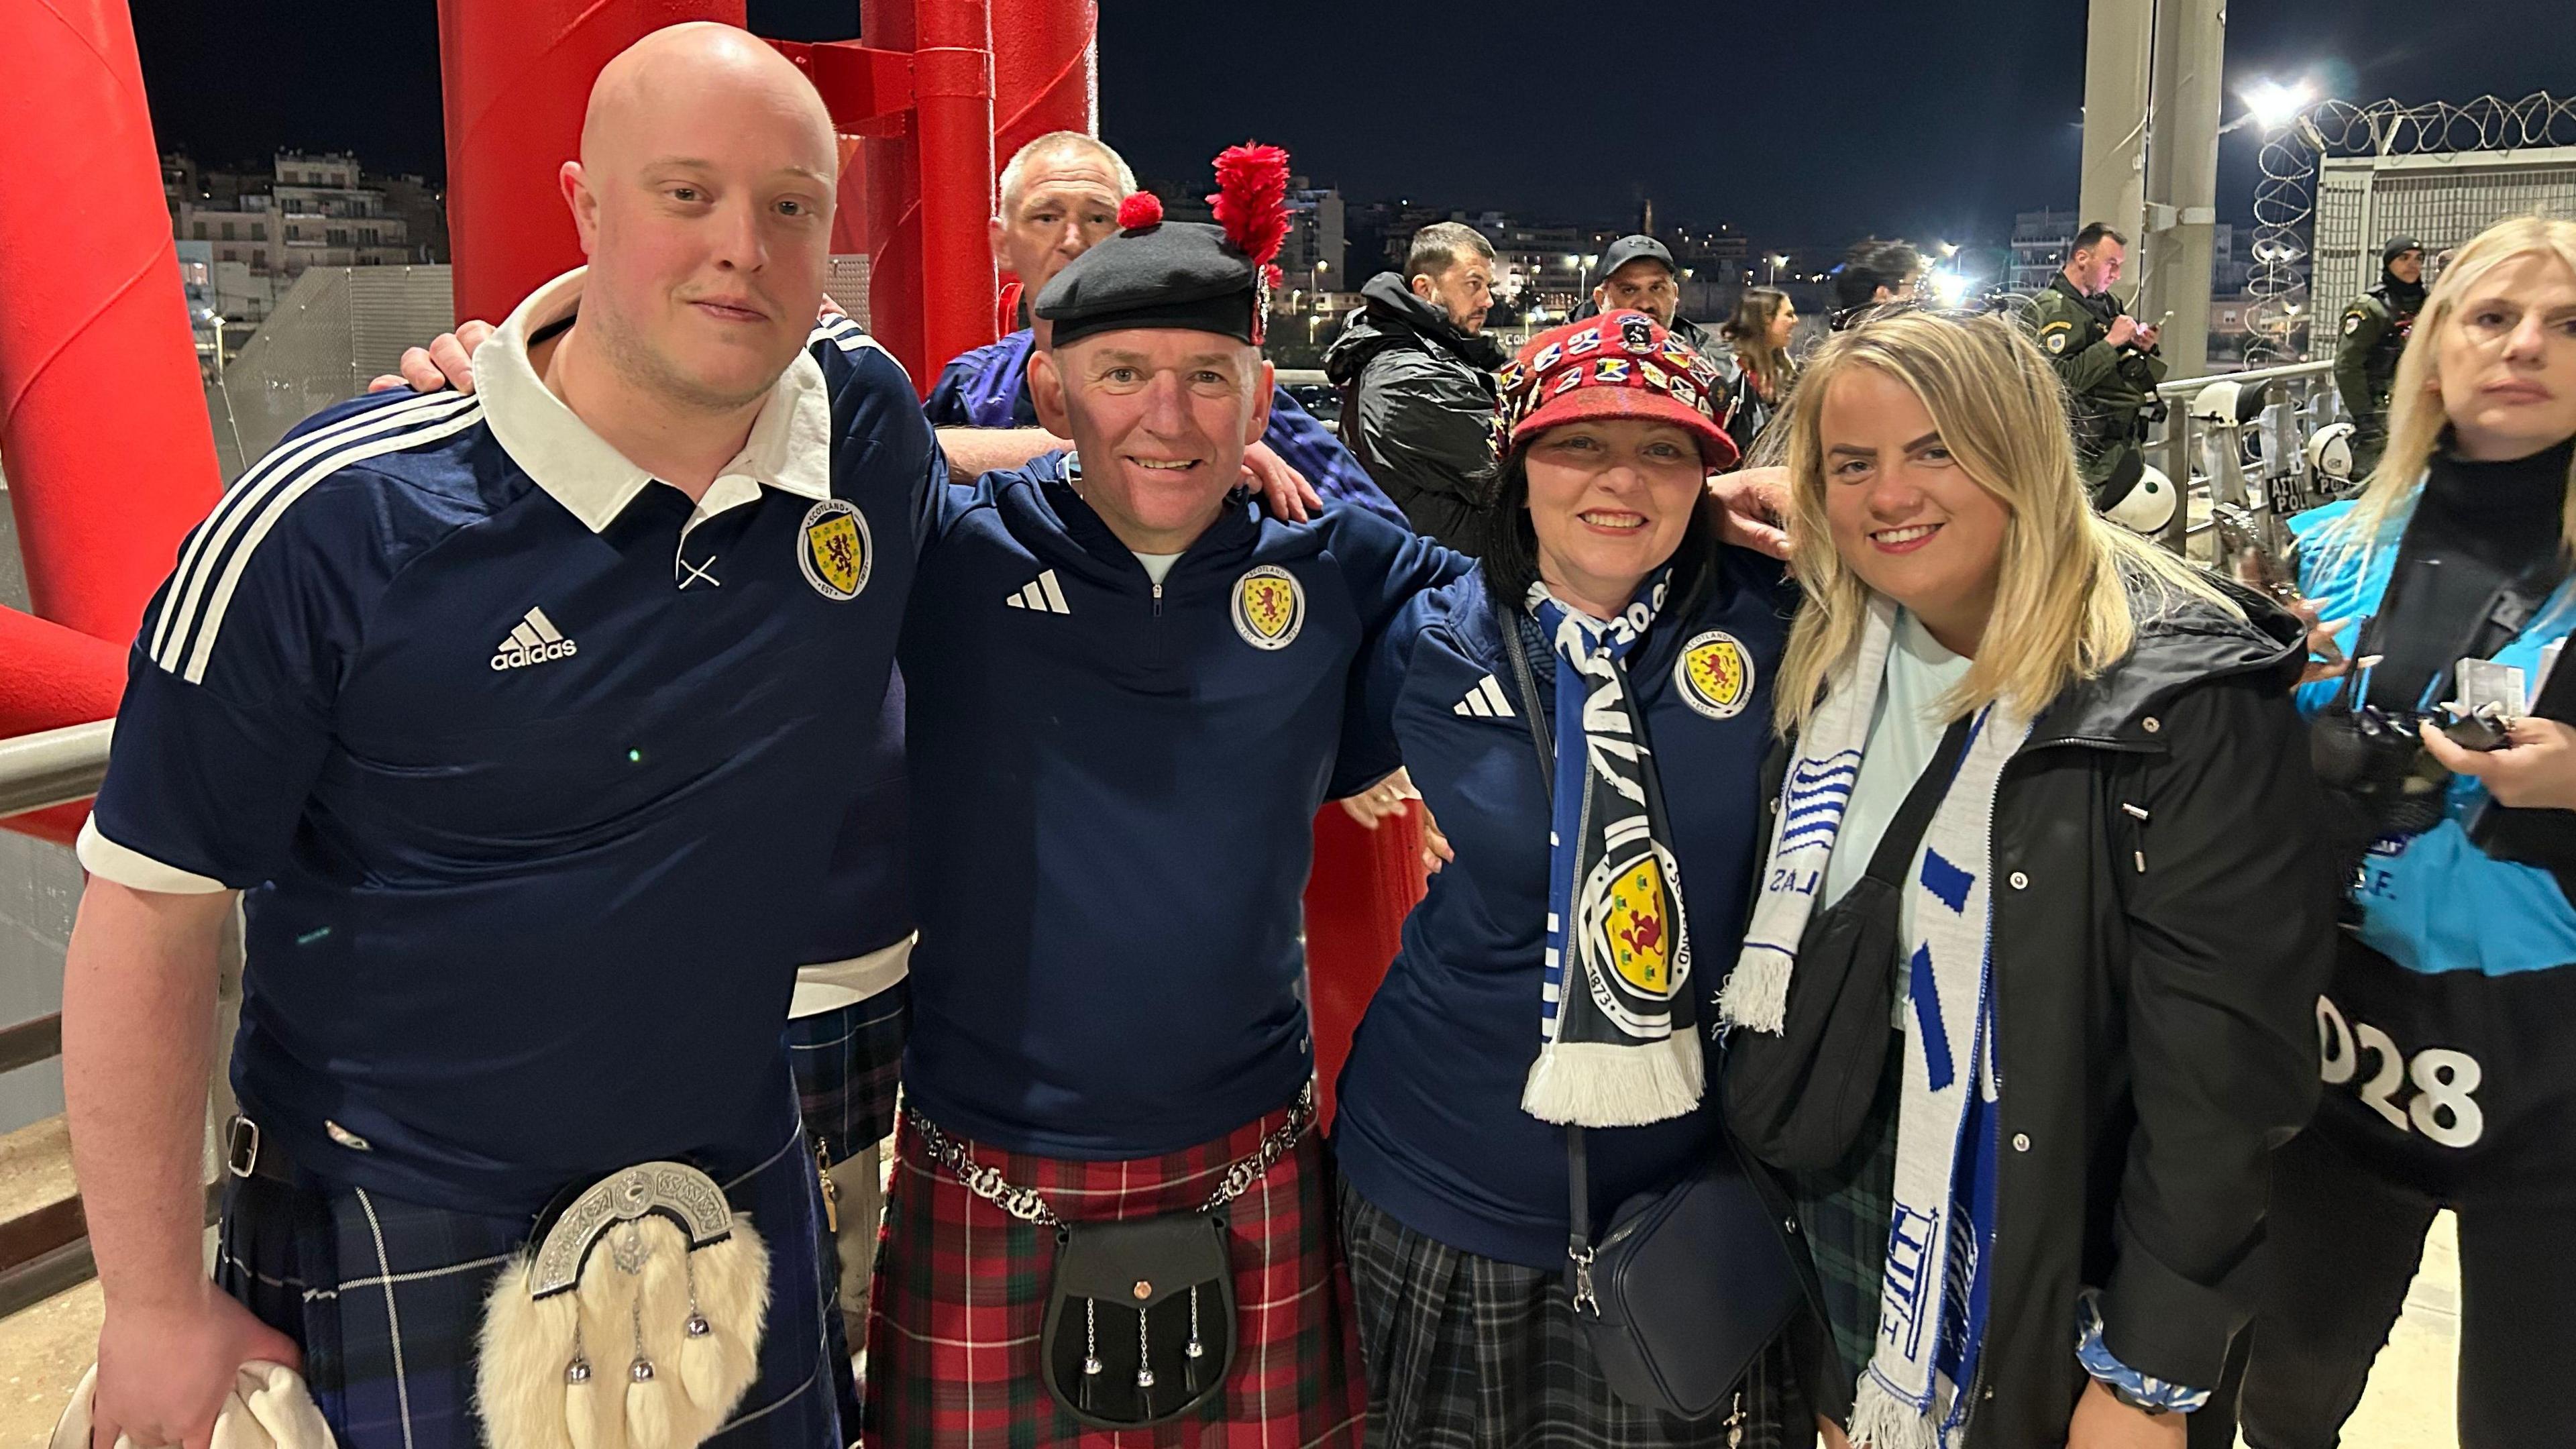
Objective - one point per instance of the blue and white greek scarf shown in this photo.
(1621, 1047)
(1933, 1298)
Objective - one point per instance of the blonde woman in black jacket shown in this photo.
(2106, 947)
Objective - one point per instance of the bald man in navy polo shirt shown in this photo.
(517, 723)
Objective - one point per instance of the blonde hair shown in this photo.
(2061, 610)
(2416, 416)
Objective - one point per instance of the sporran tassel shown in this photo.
(1089, 1394)
(1144, 1367)
(581, 1397)
(702, 1368)
(1194, 1358)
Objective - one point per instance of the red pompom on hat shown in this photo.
(1140, 210)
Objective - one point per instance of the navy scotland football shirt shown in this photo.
(529, 767)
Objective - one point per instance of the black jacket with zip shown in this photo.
(1418, 408)
(2163, 922)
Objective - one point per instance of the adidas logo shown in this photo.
(1041, 594)
(533, 640)
(1485, 701)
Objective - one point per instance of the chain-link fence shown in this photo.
(2441, 201)
(2340, 179)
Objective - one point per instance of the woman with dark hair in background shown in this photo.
(1606, 620)
(1759, 336)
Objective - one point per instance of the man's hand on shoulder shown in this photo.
(163, 1372)
(1284, 490)
(447, 361)
(1756, 504)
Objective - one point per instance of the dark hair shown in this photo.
(1441, 245)
(1511, 544)
(1750, 331)
(2094, 235)
(1872, 264)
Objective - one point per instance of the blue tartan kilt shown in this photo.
(847, 1063)
(386, 1299)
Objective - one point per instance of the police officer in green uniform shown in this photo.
(2107, 358)
(2374, 333)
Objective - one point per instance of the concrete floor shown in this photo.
(2409, 1404)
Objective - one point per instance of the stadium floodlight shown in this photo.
(1949, 287)
(2274, 105)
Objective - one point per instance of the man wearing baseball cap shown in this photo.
(1639, 273)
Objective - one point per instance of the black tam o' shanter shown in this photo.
(1180, 274)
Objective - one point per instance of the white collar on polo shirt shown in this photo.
(789, 447)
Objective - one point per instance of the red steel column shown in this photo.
(1362, 885)
(952, 80)
(892, 220)
(102, 413)
(516, 76)
(1046, 71)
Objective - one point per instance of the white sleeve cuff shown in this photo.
(102, 856)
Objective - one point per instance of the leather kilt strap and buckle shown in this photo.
(1132, 1302)
(246, 1154)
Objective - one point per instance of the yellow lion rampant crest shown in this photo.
(1715, 675)
(1269, 607)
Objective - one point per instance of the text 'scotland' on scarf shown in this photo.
(1621, 1047)
(1934, 1294)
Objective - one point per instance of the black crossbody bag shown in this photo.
(1692, 1282)
(1798, 1100)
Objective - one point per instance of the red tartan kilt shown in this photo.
(961, 1291)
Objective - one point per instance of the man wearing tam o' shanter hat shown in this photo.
(1127, 689)
(1061, 192)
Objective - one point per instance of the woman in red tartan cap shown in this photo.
(1586, 715)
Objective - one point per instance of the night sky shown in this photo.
(1797, 122)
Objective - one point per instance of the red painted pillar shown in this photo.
(102, 413)
(1363, 884)
(516, 76)
(53, 677)
(1046, 71)
(952, 86)
(891, 221)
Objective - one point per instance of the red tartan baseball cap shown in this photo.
(1620, 364)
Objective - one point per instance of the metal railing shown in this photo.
(45, 1249)
(2235, 445)
(53, 768)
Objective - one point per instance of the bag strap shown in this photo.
(1904, 832)
(1542, 742)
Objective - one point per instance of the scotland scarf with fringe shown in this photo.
(1933, 1296)
(1619, 1046)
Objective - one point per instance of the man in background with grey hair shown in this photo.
(1059, 194)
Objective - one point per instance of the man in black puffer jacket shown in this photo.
(1417, 381)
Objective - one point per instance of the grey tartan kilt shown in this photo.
(1467, 1352)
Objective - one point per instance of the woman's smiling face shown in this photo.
(1905, 516)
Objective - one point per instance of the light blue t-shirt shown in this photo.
(1905, 731)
